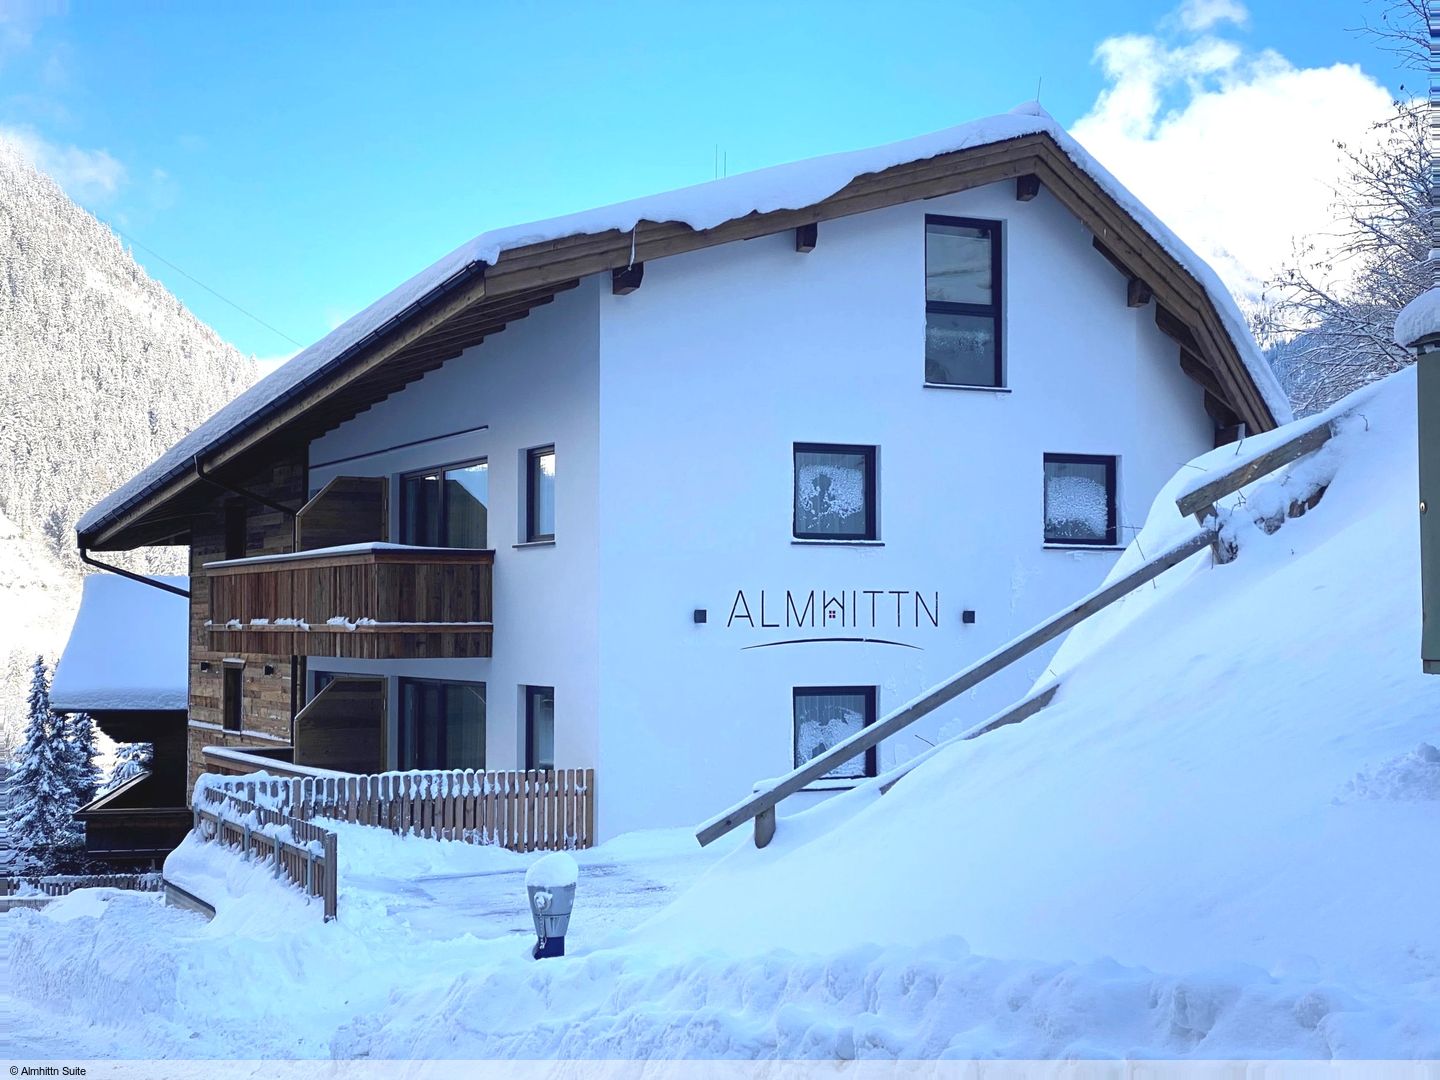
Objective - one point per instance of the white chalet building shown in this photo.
(751, 463)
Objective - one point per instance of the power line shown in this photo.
(207, 288)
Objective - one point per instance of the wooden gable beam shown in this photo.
(806, 236)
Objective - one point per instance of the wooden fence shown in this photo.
(539, 810)
(306, 857)
(64, 884)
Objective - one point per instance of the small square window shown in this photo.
(834, 492)
(1080, 505)
(826, 715)
(962, 302)
(539, 727)
(540, 495)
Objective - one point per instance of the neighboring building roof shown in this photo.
(128, 649)
(699, 209)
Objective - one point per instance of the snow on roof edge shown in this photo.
(128, 648)
(790, 186)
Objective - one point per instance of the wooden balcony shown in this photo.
(372, 601)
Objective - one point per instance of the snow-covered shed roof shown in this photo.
(652, 227)
(128, 649)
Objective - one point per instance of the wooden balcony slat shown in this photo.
(416, 602)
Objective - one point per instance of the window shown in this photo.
(962, 302)
(1080, 499)
(235, 526)
(447, 507)
(826, 715)
(318, 681)
(834, 492)
(539, 727)
(540, 495)
(442, 725)
(230, 695)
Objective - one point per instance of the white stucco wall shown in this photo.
(726, 357)
(533, 384)
(674, 410)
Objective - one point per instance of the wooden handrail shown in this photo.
(1202, 500)
(761, 806)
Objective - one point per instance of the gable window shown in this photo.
(230, 695)
(442, 725)
(540, 495)
(539, 727)
(1080, 503)
(446, 507)
(834, 492)
(826, 715)
(962, 302)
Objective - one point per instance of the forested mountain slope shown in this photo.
(101, 369)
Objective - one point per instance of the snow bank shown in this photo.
(1183, 803)
(704, 206)
(127, 650)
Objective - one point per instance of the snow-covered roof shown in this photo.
(792, 186)
(127, 650)
(1418, 319)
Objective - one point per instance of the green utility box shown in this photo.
(1428, 403)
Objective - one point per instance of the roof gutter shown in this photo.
(141, 578)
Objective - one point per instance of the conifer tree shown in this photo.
(131, 759)
(81, 751)
(40, 824)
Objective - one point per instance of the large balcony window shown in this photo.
(447, 507)
(442, 725)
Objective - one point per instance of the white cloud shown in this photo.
(1197, 15)
(88, 176)
(1232, 148)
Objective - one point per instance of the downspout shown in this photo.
(253, 496)
(152, 582)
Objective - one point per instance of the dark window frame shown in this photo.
(531, 693)
(237, 529)
(232, 697)
(872, 490)
(1112, 531)
(441, 470)
(401, 683)
(993, 310)
(872, 697)
(532, 463)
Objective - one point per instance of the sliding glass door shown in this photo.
(442, 725)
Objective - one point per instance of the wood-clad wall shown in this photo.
(265, 698)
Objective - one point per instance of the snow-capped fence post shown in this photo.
(241, 823)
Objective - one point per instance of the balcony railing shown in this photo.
(371, 601)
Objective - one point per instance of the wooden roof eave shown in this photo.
(542, 269)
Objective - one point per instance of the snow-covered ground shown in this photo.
(1221, 840)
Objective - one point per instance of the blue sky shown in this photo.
(303, 159)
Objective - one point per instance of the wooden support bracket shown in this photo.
(626, 279)
(1027, 187)
(1137, 293)
(806, 236)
